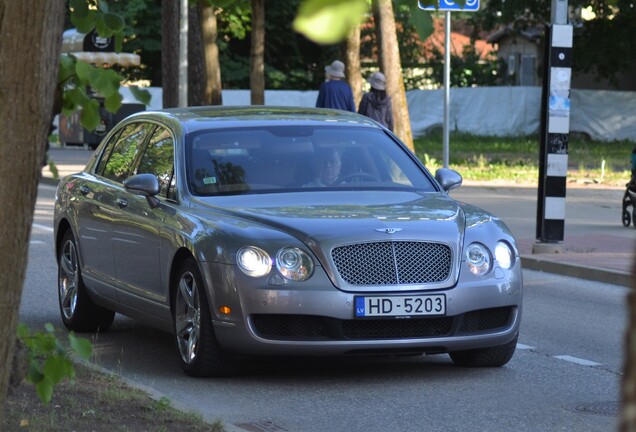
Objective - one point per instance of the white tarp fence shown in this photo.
(503, 111)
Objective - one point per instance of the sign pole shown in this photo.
(447, 67)
(447, 6)
(555, 128)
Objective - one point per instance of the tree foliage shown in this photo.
(602, 45)
(82, 82)
(292, 60)
(49, 361)
(467, 70)
(142, 36)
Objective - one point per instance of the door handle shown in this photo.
(84, 190)
(122, 202)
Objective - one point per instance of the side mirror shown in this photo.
(448, 179)
(146, 185)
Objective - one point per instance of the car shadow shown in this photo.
(133, 349)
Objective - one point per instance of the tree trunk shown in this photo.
(628, 412)
(170, 53)
(257, 53)
(213, 95)
(30, 45)
(376, 30)
(196, 61)
(389, 53)
(352, 63)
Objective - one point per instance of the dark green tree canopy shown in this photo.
(602, 46)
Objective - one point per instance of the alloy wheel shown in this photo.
(68, 279)
(188, 317)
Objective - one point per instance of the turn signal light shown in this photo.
(225, 310)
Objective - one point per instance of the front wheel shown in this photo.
(485, 357)
(627, 218)
(199, 351)
(79, 312)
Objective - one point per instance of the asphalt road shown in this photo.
(589, 210)
(565, 374)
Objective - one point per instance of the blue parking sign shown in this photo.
(448, 5)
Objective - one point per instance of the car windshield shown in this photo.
(277, 159)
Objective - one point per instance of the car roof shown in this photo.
(205, 117)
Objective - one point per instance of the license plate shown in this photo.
(397, 306)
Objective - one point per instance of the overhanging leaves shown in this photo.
(84, 24)
(106, 81)
(329, 21)
(50, 361)
(109, 24)
(90, 115)
(141, 95)
(421, 19)
(113, 102)
(81, 346)
(85, 72)
(67, 68)
(423, 23)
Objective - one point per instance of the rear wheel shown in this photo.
(79, 312)
(199, 351)
(485, 357)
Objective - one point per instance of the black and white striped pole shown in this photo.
(555, 128)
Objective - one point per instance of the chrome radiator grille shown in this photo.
(393, 263)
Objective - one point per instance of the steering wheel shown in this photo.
(361, 176)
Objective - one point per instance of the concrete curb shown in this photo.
(615, 277)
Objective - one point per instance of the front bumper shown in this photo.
(318, 319)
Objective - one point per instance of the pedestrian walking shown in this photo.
(376, 104)
(335, 92)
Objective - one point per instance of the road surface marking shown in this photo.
(42, 227)
(524, 347)
(577, 360)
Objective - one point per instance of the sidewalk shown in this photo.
(596, 246)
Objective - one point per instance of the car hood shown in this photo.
(325, 219)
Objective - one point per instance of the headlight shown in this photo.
(294, 264)
(478, 259)
(253, 261)
(504, 255)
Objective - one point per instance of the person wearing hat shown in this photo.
(335, 92)
(376, 104)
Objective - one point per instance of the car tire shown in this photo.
(199, 351)
(485, 357)
(79, 312)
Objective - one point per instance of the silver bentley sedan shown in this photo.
(252, 231)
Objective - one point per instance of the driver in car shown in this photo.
(326, 168)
